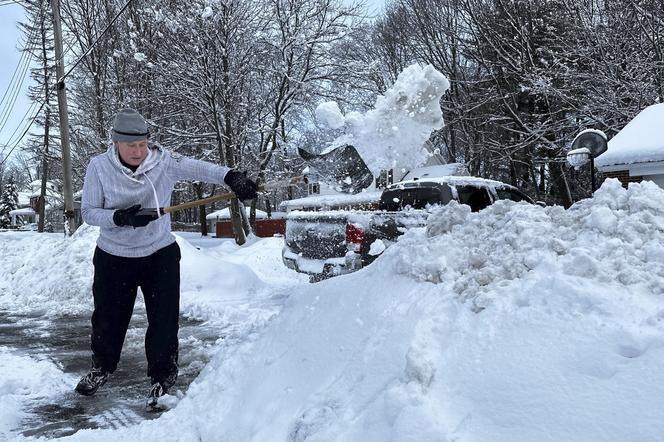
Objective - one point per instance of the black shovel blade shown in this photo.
(343, 168)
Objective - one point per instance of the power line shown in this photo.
(61, 80)
(24, 118)
(6, 157)
(14, 88)
(21, 61)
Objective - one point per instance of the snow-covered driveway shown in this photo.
(57, 351)
(45, 327)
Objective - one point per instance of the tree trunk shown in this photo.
(203, 221)
(236, 222)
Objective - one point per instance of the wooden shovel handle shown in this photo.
(209, 200)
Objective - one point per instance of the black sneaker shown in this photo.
(156, 392)
(90, 383)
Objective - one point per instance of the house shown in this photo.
(636, 153)
(220, 222)
(28, 206)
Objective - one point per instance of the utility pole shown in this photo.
(70, 220)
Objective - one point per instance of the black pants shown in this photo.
(116, 281)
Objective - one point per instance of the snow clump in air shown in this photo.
(396, 129)
(329, 114)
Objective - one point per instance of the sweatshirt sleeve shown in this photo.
(92, 202)
(184, 168)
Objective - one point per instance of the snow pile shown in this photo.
(47, 273)
(396, 130)
(226, 214)
(515, 323)
(615, 239)
(207, 12)
(24, 379)
(52, 275)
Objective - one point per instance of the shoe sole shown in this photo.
(84, 392)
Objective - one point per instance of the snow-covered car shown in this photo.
(334, 242)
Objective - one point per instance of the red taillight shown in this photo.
(354, 237)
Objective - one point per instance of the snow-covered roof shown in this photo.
(22, 211)
(640, 141)
(326, 201)
(24, 198)
(225, 214)
(436, 171)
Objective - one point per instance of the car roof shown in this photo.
(453, 181)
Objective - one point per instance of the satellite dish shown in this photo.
(594, 141)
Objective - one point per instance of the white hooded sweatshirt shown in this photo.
(110, 186)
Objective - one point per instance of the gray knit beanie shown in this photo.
(129, 125)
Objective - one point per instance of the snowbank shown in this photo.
(515, 323)
(52, 275)
(47, 273)
(24, 379)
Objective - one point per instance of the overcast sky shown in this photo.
(11, 41)
(10, 45)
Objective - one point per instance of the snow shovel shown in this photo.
(209, 200)
(343, 168)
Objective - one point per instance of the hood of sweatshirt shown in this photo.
(155, 156)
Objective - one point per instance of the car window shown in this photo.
(511, 194)
(476, 197)
(416, 198)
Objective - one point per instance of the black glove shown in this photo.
(134, 216)
(243, 187)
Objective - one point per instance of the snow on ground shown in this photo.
(515, 323)
(24, 379)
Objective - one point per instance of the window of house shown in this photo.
(313, 188)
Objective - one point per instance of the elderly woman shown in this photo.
(135, 247)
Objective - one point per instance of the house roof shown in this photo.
(226, 214)
(22, 211)
(640, 141)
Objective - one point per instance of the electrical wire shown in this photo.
(14, 89)
(34, 117)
